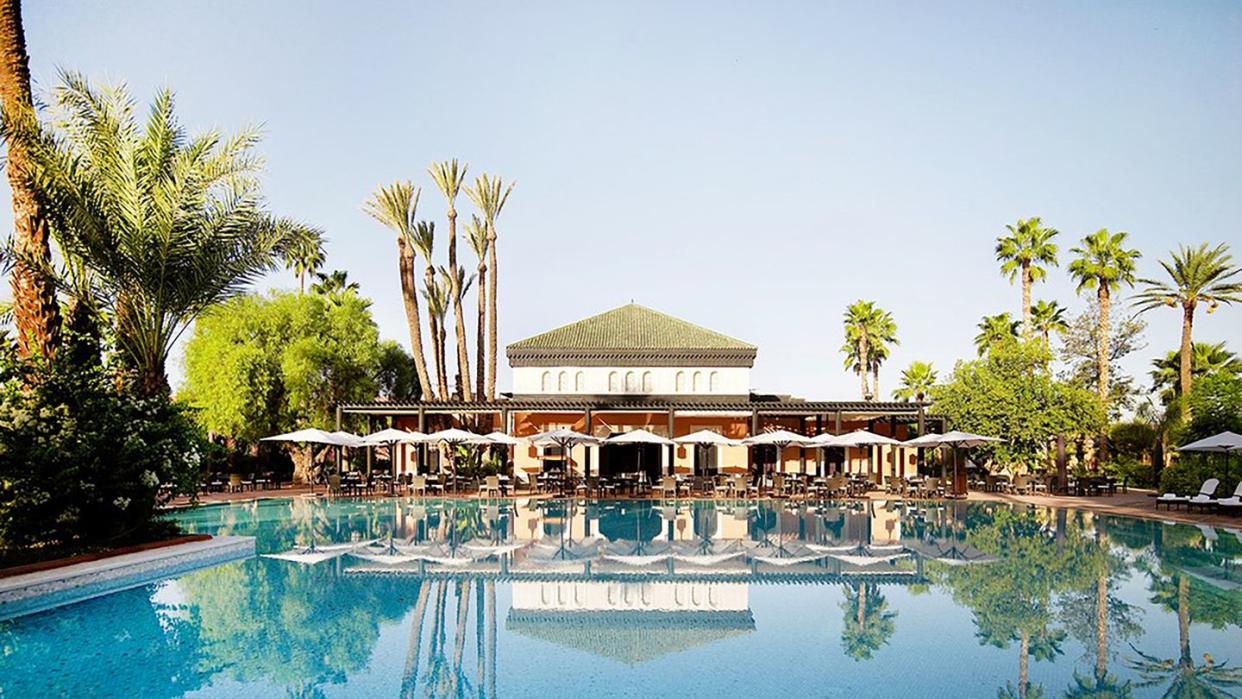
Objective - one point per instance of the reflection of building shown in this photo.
(630, 621)
(633, 367)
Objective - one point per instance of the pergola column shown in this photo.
(672, 453)
(586, 448)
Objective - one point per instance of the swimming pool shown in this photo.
(612, 599)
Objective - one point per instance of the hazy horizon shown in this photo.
(751, 169)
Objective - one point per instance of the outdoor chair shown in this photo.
(334, 484)
(418, 485)
(723, 488)
(1204, 499)
(1022, 485)
(1205, 492)
(235, 482)
(1232, 503)
(490, 486)
(247, 483)
(931, 488)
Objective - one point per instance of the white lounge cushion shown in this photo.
(1172, 497)
(1234, 501)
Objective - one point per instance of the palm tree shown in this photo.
(868, 623)
(334, 286)
(36, 313)
(1104, 263)
(394, 206)
(916, 382)
(490, 195)
(305, 255)
(436, 294)
(448, 177)
(1022, 253)
(1198, 275)
(993, 330)
(476, 234)
(461, 282)
(169, 224)
(1207, 359)
(868, 329)
(1048, 317)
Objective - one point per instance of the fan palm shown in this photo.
(490, 195)
(1048, 317)
(1104, 264)
(995, 329)
(868, 331)
(36, 313)
(476, 234)
(170, 224)
(449, 177)
(916, 382)
(1022, 255)
(394, 206)
(1198, 275)
(335, 286)
(305, 255)
(1207, 359)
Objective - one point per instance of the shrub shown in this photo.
(1187, 475)
(82, 463)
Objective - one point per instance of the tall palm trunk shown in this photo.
(863, 356)
(459, 320)
(36, 314)
(1102, 366)
(491, 311)
(1187, 354)
(480, 343)
(1026, 300)
(875, 380)
(413, 318)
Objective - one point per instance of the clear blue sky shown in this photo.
(752, 167)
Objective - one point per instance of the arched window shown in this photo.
(647, 382)
(631, 382)
(614, 382)
(713, 381)
(681, 382)
(579, 383)
(697, 384)
(562, 382)
(545, 383)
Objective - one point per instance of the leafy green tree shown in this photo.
(1104, 264)
(1022, 255)
(916, 382)
(264, 364)
(397, 378)
(1048, 317)
(994, 330)
(1207, 359)
(1006, 395)
(1197, 275)
(1079, 354)
(170, 223)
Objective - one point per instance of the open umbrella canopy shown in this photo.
(502, 439)
(825, 440)
(307, 436)
(563, 437)
(1224, 443)
(862, 438)
(951, 439)
(348, 439)
(639, 437)
(778, 438)
(455, 436)
(390, 435)
(706, 437)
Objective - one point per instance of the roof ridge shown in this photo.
(631, 326)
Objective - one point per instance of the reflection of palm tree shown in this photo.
(868, 623)
(1099, 686)
(409, 679)
(1183, 677)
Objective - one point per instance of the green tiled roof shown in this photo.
(631, 327)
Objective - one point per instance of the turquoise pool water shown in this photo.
(526, 599)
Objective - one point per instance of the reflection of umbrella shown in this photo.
(1224, 443)
(705, 439)
(951, 439)
(637, 523)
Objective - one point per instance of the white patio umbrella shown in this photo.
(564, 438)
(777, 438)
(501, 439)
(819, 443)
(863, 438)
(313, 436)
(705, 439)
(391, 437)
(641, 436)
(1224, 443)
(454, 437)
(952, 440)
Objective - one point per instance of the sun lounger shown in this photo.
(1205, 495)
(1232, 503)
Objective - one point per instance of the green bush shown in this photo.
(81, 462)
(1187, 475)
(1132, 471)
